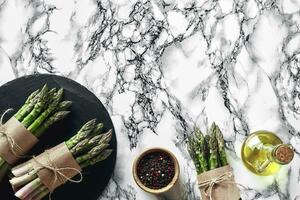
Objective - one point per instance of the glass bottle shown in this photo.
(263, 153)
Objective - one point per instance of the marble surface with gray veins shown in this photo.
(161, 67)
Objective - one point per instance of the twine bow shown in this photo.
(58, 172)
(209, 184)
(13, 146)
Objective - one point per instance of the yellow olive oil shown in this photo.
(263, 153)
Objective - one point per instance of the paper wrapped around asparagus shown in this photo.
(22, 139)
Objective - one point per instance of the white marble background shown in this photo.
(160, 67)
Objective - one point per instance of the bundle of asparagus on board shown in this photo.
(42, 109)
(87, 147)
(208, 152)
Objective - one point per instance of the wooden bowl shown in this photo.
(138, 181)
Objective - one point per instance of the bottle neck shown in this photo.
(282, 154)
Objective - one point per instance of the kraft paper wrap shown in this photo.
(17, 141)
(223, 190)
(60, 159)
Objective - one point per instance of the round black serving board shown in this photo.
(85, 106)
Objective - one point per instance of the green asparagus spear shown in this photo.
(192, 148)
(52, 91)
(102, 156)
(198, 151)
(221, 145)
(106, 137)
(51, 120)
(83, 133)
(98, 129)
(207, 138)
(86, 144)
(56, 99)
(213, 150)
(92, 153)
(95, 140)
(98, 139)
(64, 105)
(25, 109)
(29, 119)
(50, 95)
(201, 150)
(32, 96)
(79, 147)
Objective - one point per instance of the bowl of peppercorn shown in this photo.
(156, 170)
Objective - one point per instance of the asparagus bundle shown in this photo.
(207, 152)
(41, 109)
(88, 147)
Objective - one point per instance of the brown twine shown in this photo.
(13, 146)
(58, 175)
(209, 184)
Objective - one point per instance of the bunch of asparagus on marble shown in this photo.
(42, 109)
(207, 152)
(89, 146)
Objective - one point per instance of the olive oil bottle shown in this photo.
(263, 153)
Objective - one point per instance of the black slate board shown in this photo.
(85, 106)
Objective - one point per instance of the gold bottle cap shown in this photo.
(284, 153)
